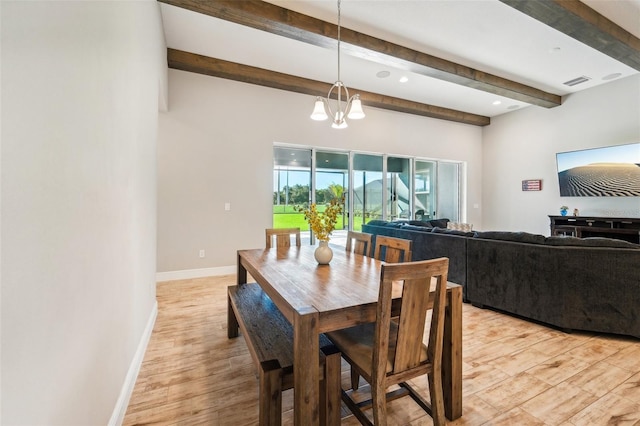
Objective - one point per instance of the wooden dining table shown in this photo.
(319, 298)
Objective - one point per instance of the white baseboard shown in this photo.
(195, 273)
(117, 417)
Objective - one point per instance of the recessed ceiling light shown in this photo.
(404, 79)
(497, 102)
(612, 76)
(383, 74)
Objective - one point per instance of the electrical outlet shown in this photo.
(201, 253)
(227, 206)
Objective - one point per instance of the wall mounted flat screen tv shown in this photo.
(612, 171)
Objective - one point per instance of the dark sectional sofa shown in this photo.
(590, 284)
(427, 244)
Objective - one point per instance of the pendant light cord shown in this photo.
(339, 40)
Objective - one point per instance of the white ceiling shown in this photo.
(483, 34)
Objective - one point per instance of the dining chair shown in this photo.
(389, 353)
(395, 249)
(359, 243)
(283, 237)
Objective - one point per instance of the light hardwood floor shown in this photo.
(515, 372)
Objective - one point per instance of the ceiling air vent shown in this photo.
(577, 81)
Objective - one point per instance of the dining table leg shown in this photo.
(452, 355)
(306, 361)
(232, 321)
(242, 272)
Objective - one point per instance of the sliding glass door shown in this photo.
(425, 190)
(449, 191)
(367, 189)
(398, 196)
(437, 190)
(291, 186)
(375, 186)
(331, 181)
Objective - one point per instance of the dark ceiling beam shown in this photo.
(200, 64)
(277, 20)
(579, 21)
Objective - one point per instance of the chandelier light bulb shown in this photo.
(319, 112)
(356, 112)
(339, 122)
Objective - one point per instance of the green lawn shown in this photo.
(289, 209)
(290, 220)
(293, 219)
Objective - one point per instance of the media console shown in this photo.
(627, 229)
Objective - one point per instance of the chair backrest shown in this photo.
(416, 300)
(395, 249)
(283, 237)
(359, 243)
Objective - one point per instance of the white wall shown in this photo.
(523, 144)
(80, 90)
(215, 145)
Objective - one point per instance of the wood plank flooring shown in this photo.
(515, 372)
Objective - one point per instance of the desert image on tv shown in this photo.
(601, 179)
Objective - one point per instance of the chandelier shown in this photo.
(353, 108)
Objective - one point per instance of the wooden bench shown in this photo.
(269, 337)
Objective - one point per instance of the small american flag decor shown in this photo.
(532, 185)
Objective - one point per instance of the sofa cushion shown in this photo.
(420, 223)
(396, 224)
(387, 224)
(590, 242)
(377, 222)
(440, 223)
(418, 228)
(517, 237)
(438, 230)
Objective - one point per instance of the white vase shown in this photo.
(323, 253)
